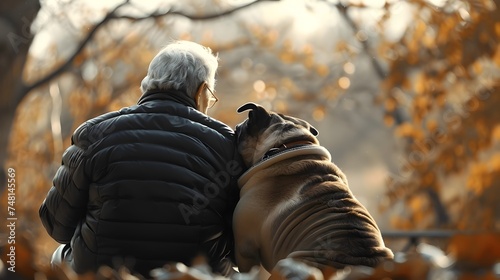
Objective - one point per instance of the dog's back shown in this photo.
(325, 225)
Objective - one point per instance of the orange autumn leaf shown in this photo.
(409, 130)
(388, 119)
(476, 250)
(390, 104)
(414, 267)
(420, 84)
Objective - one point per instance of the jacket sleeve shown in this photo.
(66, 202)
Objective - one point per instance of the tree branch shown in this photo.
(364, 43)
(193, 17)
(59, 70)
(111, 16)
(398, 114)
(442, 217)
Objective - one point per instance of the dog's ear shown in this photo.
(302, 122)
(257, 112)
(313, 130)
(258, 117)
(247, 106)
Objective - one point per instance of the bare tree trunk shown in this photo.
(15, 40)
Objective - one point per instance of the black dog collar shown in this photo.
(285, 146)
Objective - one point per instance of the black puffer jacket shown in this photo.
(145, 185)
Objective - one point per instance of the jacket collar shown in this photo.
(172, 95)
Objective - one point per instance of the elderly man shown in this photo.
(151, 183)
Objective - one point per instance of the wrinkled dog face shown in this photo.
(263, 131)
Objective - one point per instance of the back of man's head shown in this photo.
(182, 66)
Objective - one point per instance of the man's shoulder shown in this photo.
(188, 113)
(106, 123)
(87, 129)
(212, 123)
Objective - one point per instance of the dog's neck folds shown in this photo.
(286, 154)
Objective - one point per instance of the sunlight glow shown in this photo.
(259, 86)
(349, 68)
(374, 3)
(437, 3)
(344, 82)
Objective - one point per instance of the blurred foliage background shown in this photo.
(405, 94)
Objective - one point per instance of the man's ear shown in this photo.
(199, 94)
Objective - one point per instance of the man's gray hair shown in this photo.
(183, 66)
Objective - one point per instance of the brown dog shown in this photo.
(294, 202)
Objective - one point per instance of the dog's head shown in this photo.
(265, 131)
